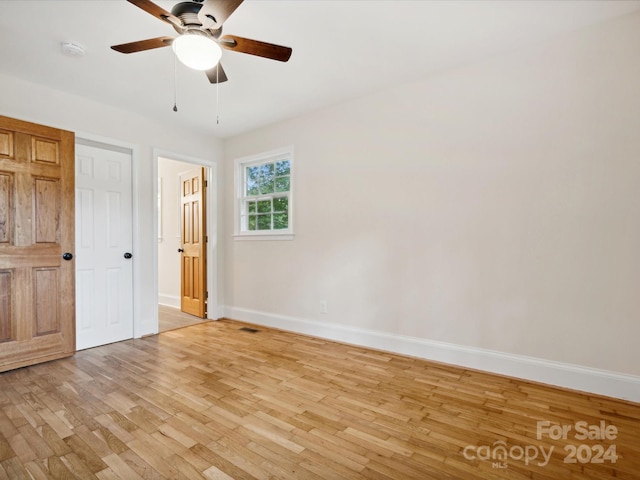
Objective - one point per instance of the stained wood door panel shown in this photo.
(193, 228)
(46, 284)
(6, 328)
(37, 287)
(46, 209)
(44, 150)
(6, 143)
(6, 182)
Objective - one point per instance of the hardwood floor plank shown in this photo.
(88, 456)
(6, 451)
(120, 468)
(36, 442)
(281, 463)
(213, 402)
(78, 467)
(54, 441)
(170, 318)
(57, 468)
(108, 436)
(321, 451)
(353, 451)
(112, 428)
(233, 461)
(14, 469)
(185, 468)
(138, 465)
(147, 450)
(214, 473)
(22, 448)
(186, 431)
(37, 470)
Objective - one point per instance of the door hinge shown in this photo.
(206, 183)
(206, 239)
(206, 294)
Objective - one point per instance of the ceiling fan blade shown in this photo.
(213, 13)
(216, 74)
(142, 45)
(157, 11)
(255, 47)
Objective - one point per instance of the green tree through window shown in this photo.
(265, 194)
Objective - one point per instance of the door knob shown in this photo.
(127, 255)
(67, 256)
(180, 250)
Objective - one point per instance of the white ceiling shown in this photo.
(341, 50)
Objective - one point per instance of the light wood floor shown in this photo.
(214, 401)
(170, 318)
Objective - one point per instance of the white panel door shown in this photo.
(104, 263)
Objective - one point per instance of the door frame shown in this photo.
(211, 176)
(97, 140)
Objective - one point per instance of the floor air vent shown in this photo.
(249, 329)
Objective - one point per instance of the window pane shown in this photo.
(280, 221)
(252, 223)
(264, 222)
(283, 168)
(267, 177)
(282, 184)
(266, 185)
(267, 169)
(253, 174)
(251, 207)
(252, 188)
(264, 206)
(280, 204)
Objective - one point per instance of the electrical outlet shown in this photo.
(323, 306)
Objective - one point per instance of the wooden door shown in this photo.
(37, 286)
(193, 249)
(104, 238)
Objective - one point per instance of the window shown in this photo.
(264, 200)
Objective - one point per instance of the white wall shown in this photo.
(39, 104)
(491, 212)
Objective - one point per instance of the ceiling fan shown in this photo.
(199, 25)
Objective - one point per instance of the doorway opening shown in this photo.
(173, 249)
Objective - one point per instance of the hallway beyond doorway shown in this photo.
(170, 318)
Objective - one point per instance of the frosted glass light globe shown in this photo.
(197, 51)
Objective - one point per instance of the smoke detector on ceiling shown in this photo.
(72, 49)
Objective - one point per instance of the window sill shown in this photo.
(263, 236)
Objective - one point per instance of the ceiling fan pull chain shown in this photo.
(218, 93)
(175, 85)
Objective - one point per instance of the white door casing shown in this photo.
(104, 277)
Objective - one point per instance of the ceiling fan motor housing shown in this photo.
(187, 12)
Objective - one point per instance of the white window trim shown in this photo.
(239, 165)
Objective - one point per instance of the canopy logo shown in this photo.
(499, 453)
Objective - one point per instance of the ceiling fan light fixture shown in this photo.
(197, 51)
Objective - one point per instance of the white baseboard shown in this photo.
(169, 300)
(575, 377)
